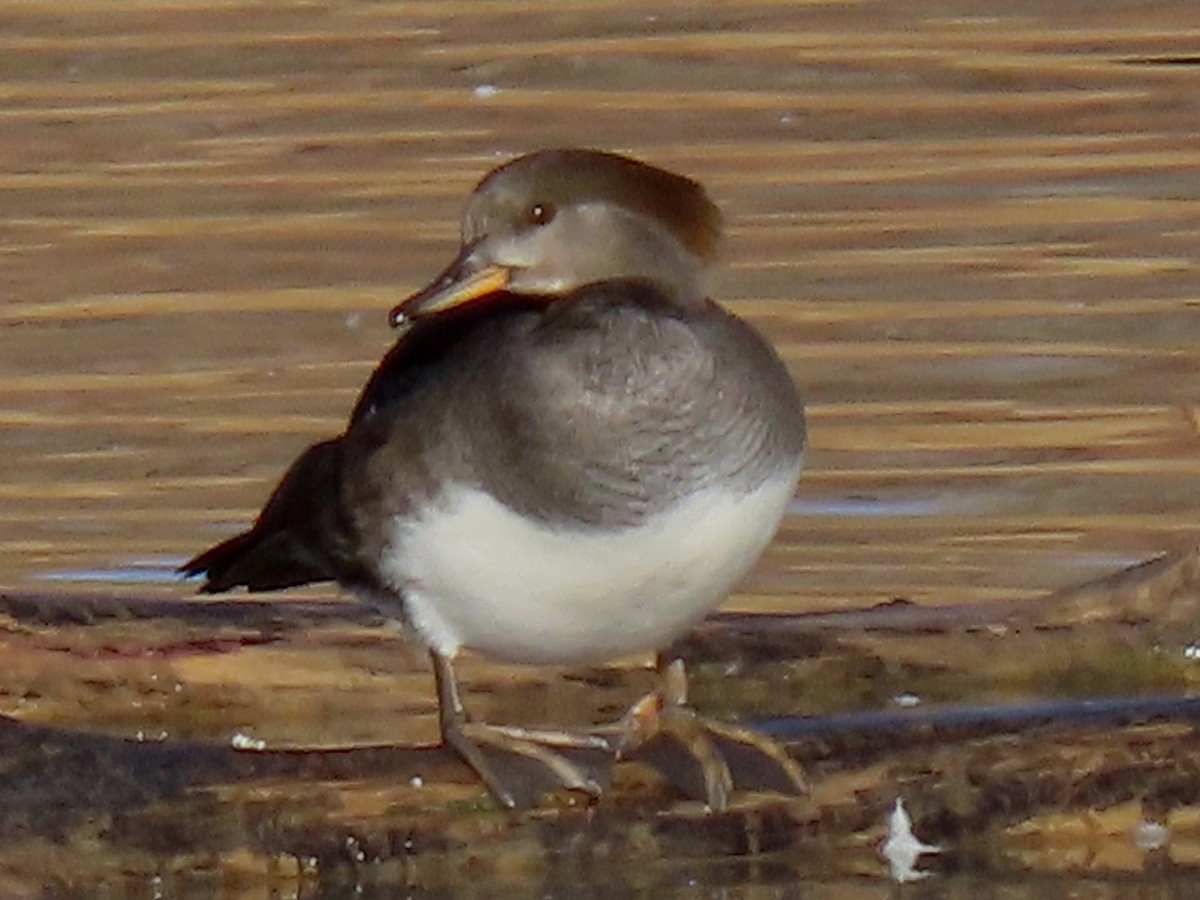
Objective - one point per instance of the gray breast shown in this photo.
(614, 404)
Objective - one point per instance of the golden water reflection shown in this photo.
(973, 238)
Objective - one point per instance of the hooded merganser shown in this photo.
(570, 455)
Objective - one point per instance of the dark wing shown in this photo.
(305, 534)
(308, 531)
(422, 347)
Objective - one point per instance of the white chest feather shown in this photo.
(477, 575)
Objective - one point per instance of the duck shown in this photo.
(570, 454)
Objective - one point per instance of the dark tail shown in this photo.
(256, 561)
(296, 536)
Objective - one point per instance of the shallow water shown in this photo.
(972, 237)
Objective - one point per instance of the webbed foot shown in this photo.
(704, 759)
(519, 765)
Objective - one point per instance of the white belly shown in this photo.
(476, 575)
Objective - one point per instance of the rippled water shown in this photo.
(971, 233)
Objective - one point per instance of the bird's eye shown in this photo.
(540, 214)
